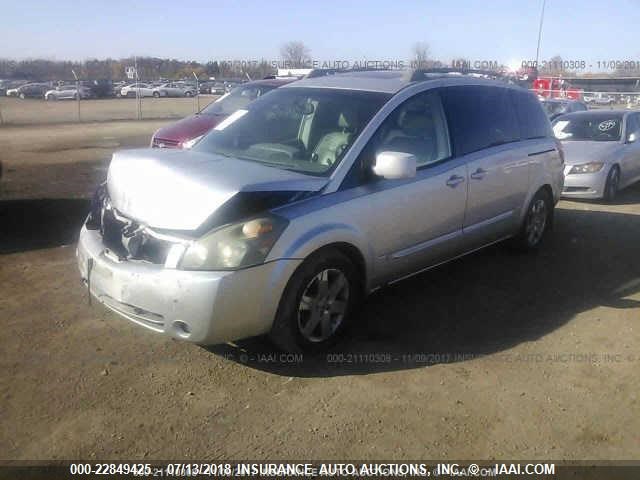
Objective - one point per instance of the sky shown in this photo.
(351, 30)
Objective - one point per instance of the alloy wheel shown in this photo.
(323, 305)
(536, 221)
(612, 184)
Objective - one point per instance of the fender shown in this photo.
(302, 242)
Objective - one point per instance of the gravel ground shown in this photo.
(497, 355)
(14, 111)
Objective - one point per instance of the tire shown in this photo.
(537, 222)
(22, 96)
(611, 187)
(313, 315)
(156, 94)
(188, 94)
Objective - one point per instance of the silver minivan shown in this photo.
(287, 214)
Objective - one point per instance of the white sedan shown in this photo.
(174, 90)
(144, 89)
(69, 92)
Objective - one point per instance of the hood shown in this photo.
(188, 128)
(181, 190)
(577, 151)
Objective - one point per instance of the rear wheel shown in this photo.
(22, 96)
(318, 303)
(537, 222)
(612, 185)
(156, 94)
(188, 94)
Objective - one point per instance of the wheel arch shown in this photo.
(341, 237)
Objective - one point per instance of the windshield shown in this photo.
(302, 129)
(554, 108)
(600, 128)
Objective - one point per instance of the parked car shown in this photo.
(29, 90)
(144, 89)
(603, 99)
(185, 132)
(6, 85)
(602, 152)
(218, 88)
(117, 88)
(68, 92)
(556, 107)
(293, 209)
(174, 90)
(101, 88)
(205, 87)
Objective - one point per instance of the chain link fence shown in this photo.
(77, 101)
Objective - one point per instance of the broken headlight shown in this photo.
(234, 246)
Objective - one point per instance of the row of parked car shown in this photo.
(290, 201)
(98, 89)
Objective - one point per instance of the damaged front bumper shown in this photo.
(197, 306)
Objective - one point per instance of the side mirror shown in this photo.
(632, 137)
(395, 165)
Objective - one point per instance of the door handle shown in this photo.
(478, 174)
(454, 181)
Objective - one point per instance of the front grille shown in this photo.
(164, 143)
(111, 230)
(155, 250)
(123, 236)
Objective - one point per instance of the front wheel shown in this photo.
(156, 94)
(537, 222)
(612, 185)
(188, 94)
(318, 303)
(22, 96)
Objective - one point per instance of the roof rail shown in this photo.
(430, 73)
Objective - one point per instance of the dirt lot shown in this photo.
(497, 355)
(14, 111)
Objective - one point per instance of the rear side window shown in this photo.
(479, 117)
(531, 118)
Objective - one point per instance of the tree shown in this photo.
(295, 54)
(420, 55)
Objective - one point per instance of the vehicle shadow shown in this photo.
(482, 304)
(33, 224)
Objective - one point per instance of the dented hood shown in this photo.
(179, 190)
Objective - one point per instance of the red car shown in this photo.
(184, 133)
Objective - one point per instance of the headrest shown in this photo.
(347, 119)
(415, 122)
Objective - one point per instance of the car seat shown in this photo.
(332, 145)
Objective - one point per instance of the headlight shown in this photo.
(591, 167)
(234, 246)
(192, 142)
